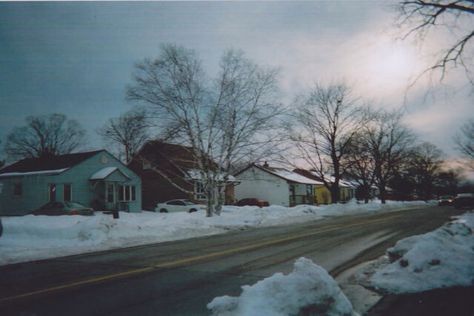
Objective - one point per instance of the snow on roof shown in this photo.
(195, 174)
(104, 173)
(32, 173)
(291, 176)
(342, 183)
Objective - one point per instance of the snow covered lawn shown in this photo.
(438, 259)
(309, 288)
(31, 237)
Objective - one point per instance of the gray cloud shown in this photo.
(77, 58)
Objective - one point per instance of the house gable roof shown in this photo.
(47, 164)
(104, 173)
(282, 173)
(312, 175)
(171, 159)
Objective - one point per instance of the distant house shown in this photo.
(278, 186)
(169, 171)
(96, 179)
(322, 194)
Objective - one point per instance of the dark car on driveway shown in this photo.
(252, 202)
(63, 208)
(464, 200)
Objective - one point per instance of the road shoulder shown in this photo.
(438, 302)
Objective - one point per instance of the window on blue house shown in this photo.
(134, 194)
(127, 193)
(67, 192)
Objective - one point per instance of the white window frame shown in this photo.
(127, 190)
(199, 193)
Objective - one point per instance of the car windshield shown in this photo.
(188, 202)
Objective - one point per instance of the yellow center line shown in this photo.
(180, 262)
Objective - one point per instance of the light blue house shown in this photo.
(96, 179)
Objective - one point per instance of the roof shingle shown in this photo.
(48, 163)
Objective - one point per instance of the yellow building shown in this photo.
(322, 195)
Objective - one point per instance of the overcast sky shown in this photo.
(77, 58)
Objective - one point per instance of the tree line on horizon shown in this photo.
(235, 118)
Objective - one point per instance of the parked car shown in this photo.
(445, 200)
(252, 202)
(1, 228)
(464, 200)
(63, 208)
(180, 205)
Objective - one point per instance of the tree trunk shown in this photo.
(383, 193)
(335, 193)
(220, 199)
(210, 203)
(366, 193)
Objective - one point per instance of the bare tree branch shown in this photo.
(44, 136)
(223, 120)
(130, 131)
(326, 118)
(421, 16)
(464, 141)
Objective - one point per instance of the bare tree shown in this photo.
(447, 181)
(129, 131)
(359, 164)
(388, 140)
(223, 120)
(425, 162)
(464, 141)
(327, 118)
(44, 135)
(424, 16)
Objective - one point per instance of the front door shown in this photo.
(110, 196)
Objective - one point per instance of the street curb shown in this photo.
(362, 299)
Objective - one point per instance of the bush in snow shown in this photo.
(308, 290)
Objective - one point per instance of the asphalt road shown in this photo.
(181, 277)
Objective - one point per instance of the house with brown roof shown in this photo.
(96, 179)
(169, 171)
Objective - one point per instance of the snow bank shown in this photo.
(438, 259)
(309, 288)
(39, 237)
